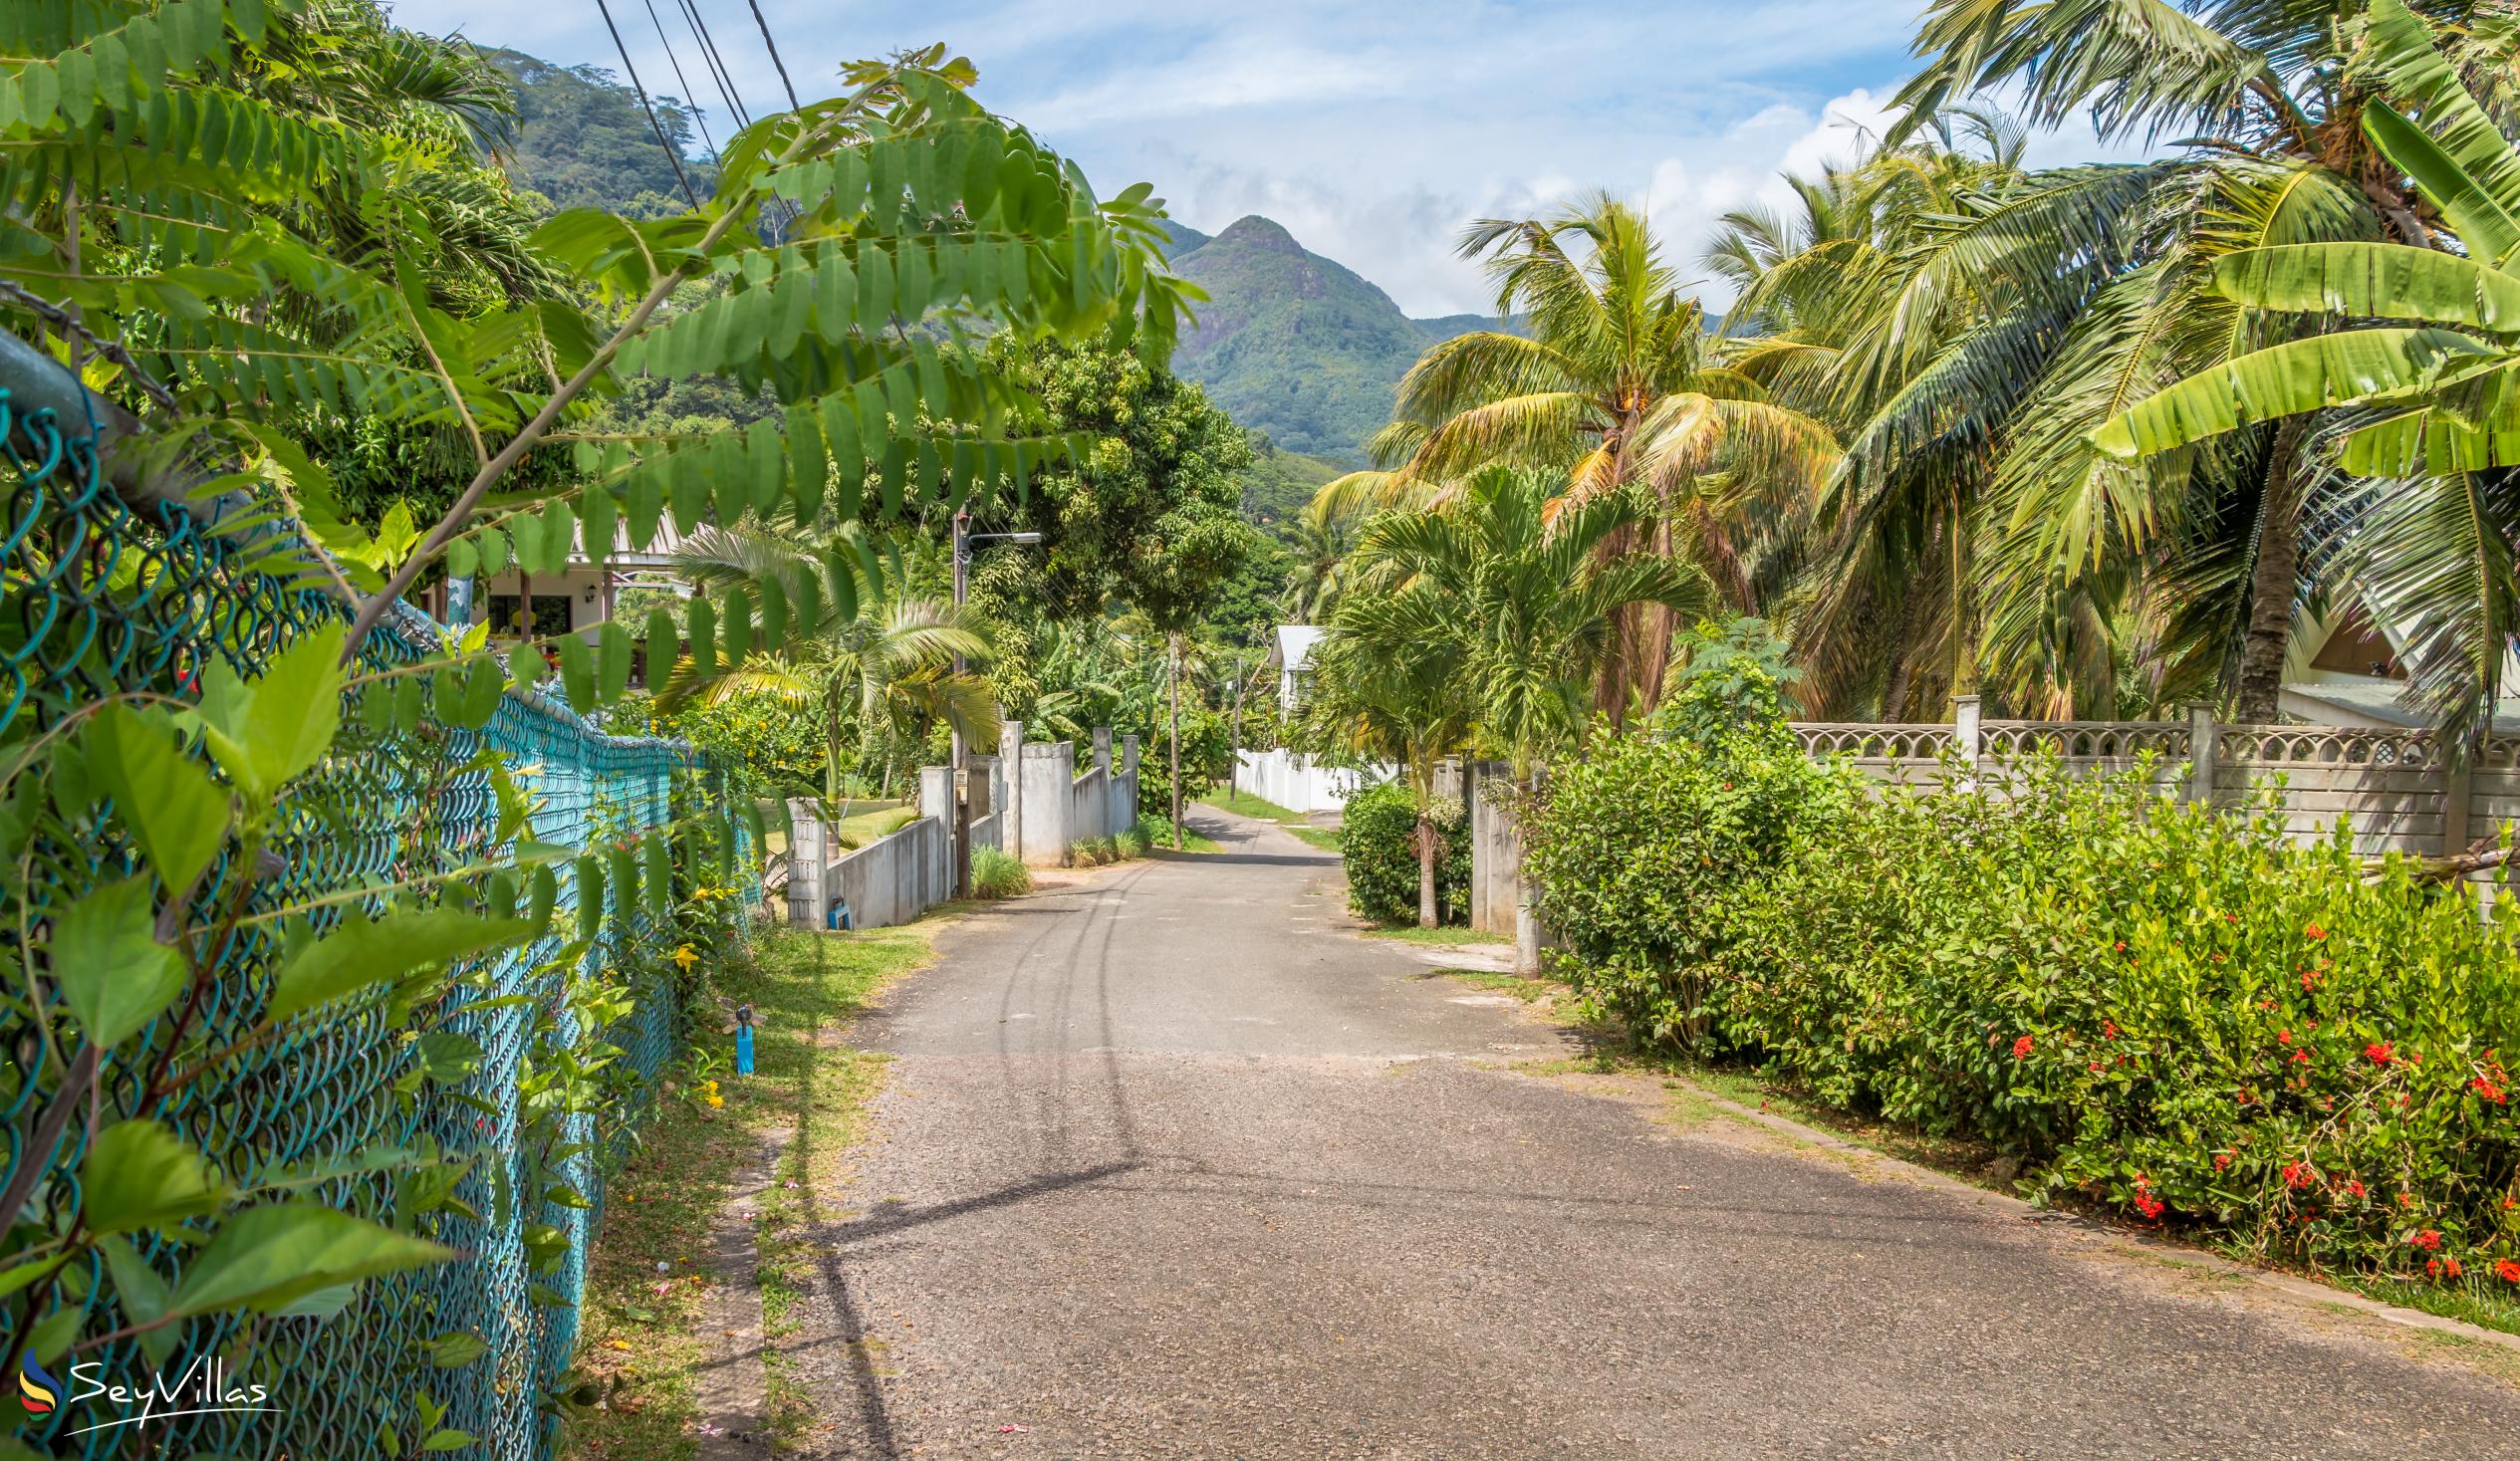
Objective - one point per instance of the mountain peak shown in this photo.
(1255, 232)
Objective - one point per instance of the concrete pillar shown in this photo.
(1128, 755)
(1010, 762)
(2455, 789)
(1966, 741)
(1102, 750)
(2204, 749)
(1449, 778)
(808, 846)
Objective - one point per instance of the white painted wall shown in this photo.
(1299, 785)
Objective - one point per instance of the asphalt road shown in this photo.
(1168, 1167)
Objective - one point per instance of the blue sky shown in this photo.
(1374, 131)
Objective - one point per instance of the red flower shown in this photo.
(2429, 1240)
(2301, 1057)
(2283, 1036)
(2119, 946)
(2021, 1048)
(2314, 931)
(2507, 1270)
(2450, 1267)
(2222, 1159)
(2147, 1204)
(2432, 1266)
(2108, 1029)
(2379, 1051)
(2307, 980)
(2487, 1090)
(2299, 1174)
(2353, 1187)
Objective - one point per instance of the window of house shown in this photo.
(551, 615)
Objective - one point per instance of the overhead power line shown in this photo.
(684, 81)
(716, 63)
(792, 104)
(671, 155)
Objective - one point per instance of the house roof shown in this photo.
(1295, 644)
(2366, 701)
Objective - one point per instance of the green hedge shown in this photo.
(2172, 1011)
(1378, 841)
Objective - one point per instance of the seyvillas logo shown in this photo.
(200, 1389)
(39, 1392)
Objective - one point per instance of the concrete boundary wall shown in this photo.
(1300, 783)
(2396, 789)
(1028, 804)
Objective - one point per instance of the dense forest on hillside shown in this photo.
(581, 140)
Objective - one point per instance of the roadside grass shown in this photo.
(1529, 991)
(2468, 1298)
(641, 1342)
(1450, 935)
(1244, 804)
(2473, 1298)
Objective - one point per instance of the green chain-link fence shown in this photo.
(101, 599)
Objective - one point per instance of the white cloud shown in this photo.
(1373, 132)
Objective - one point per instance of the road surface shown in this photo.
(1168, 1165)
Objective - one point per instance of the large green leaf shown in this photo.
(109, 965)
(265, 1257)
(139, 1174)
(361, 953)
(173, 809)
(2485, 223)
(2472, 172)
(274, 728)
(2287, 379)
(2373, 279)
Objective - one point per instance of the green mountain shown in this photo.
(1296, 346)
(582, 140)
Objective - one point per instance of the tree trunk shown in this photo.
(2271, 582)
(1426, 871)
(1175, 672)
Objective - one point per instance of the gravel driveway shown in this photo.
(1168, 1167)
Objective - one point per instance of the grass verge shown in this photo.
(2472, 1298)
(1450, 935)
(640, 1338)
(1244, 804)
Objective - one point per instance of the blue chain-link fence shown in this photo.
(102, 597)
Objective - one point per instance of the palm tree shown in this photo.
(1320, 549)
(1615, 388)
(1504, 609)
(875, 656)
(2436, 411)
(2278, 155)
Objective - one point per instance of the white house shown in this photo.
(1292, 657)
(2345, 670)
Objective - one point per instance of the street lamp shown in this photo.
(959, 790)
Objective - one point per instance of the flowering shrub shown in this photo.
(1378, 841)
(2161, 1007)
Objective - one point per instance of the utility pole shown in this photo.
(1173, 666)
(958, 783)
(954, 781)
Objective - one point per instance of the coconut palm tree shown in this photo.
(1499, 612)
(875, 657)
(2438, 415)
(1613, 387)
(2277, 154)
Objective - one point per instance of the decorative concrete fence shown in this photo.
(1301, 783)
(2396, 789)
(1033, 803)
